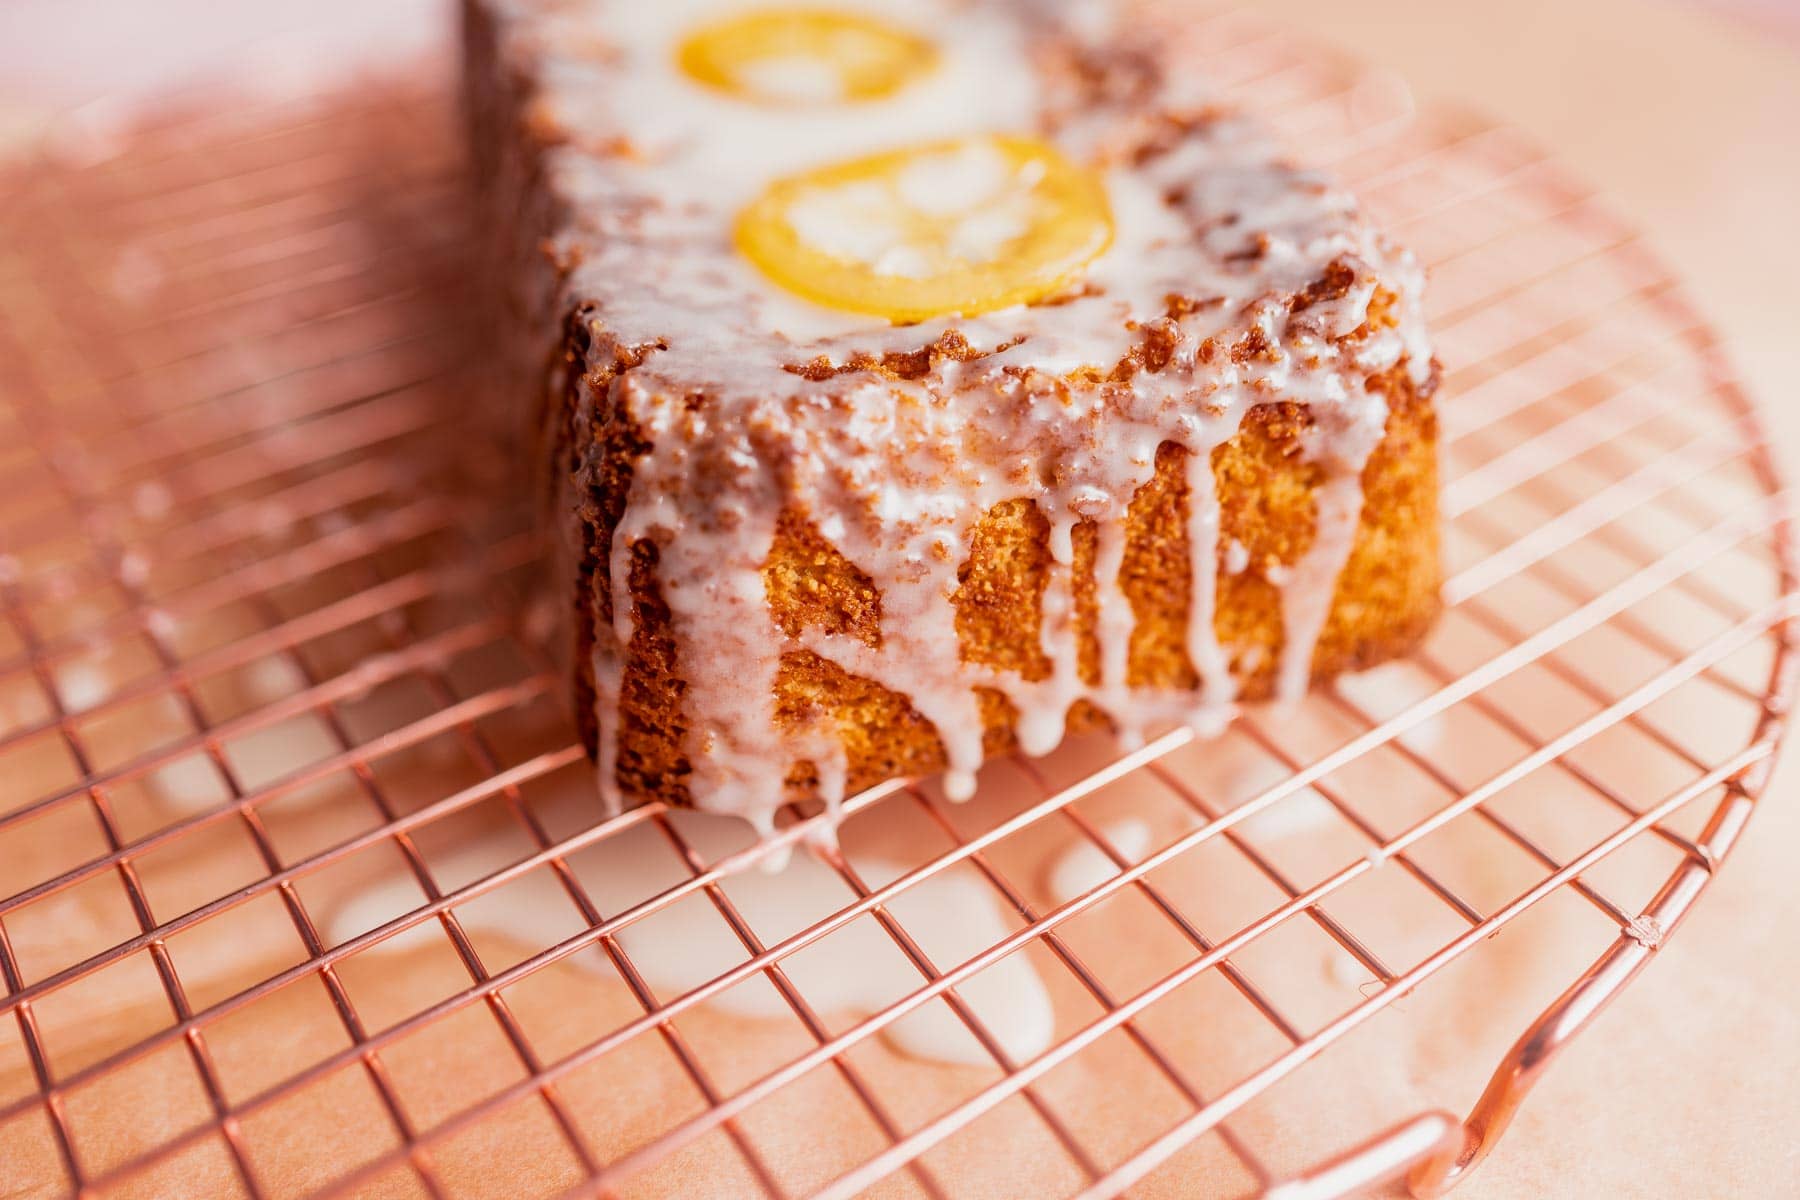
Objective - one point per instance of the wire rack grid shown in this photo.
(266, 636)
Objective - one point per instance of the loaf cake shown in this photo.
(916, 381)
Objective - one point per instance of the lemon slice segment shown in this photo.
(805, 56)
(963, 226)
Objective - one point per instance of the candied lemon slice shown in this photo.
(964, 226)
(805, 56)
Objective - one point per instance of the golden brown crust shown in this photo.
(1386, 595)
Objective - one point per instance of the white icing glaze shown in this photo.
(1296, 814)
(858, 969)
(1084, 866)
(270, 679)
(188, 785)
(83, 685)
(1386, 691)
(896, 473)
(1344, 971)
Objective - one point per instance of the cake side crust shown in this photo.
(1385, 600)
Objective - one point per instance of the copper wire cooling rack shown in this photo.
(266, 633)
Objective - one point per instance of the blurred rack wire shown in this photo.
(244, 556)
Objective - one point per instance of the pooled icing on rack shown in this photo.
(1215, 236)
(855, 969)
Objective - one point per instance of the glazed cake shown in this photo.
(917, 381)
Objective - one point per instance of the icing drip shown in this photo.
(1217, 687)
(1217, 241)
(1307, 592)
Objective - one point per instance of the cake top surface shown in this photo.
(657, 168)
